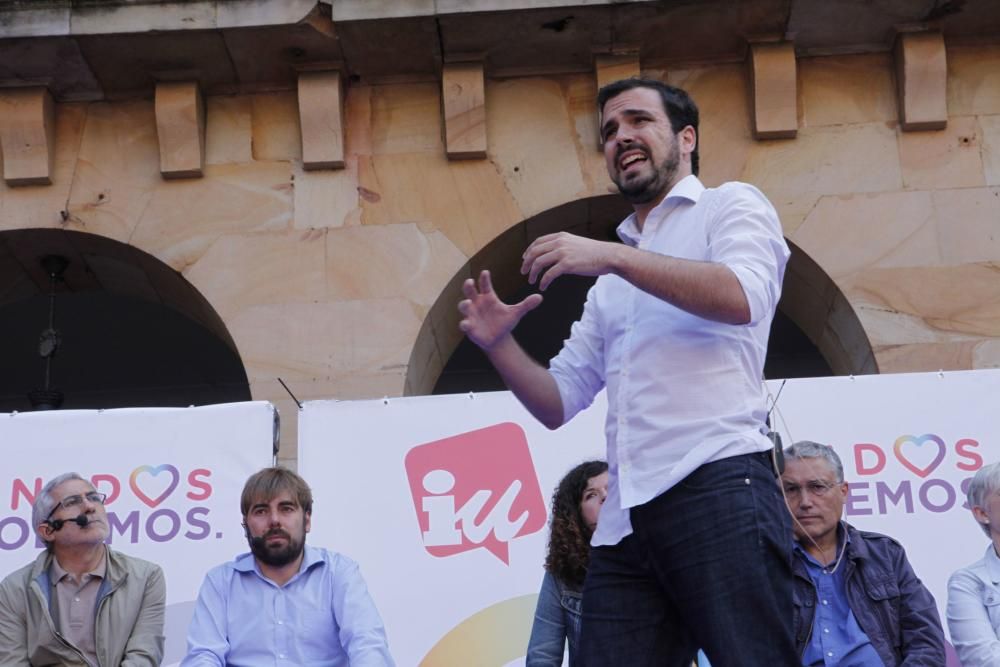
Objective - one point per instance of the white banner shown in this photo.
(173, 478)
(910, 444)
(423, 493)
(443, 501)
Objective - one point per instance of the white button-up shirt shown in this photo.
(682, 390)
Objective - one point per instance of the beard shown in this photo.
(657, 184)
(276, 556)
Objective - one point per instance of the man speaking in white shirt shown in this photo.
(694, 541)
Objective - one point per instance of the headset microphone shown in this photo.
(81, 520)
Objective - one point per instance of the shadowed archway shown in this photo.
(815, 331)
(133, 331)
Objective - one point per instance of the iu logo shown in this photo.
(475, 490)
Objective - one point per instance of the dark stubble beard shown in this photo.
(276, 556)
(656, 185)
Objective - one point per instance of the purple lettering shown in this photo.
(175, 525)
(20, 525)
(131, 523)
(855, 496)
(903, 492)
(195, 522)
(925, 493)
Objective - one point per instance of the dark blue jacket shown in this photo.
(893, 608)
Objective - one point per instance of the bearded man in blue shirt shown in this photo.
(693, 544)
(284, 602)
(858, 602)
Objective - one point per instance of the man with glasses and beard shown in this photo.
(80, 603)
(284, 601)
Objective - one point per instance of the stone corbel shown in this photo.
(774, 89)
(27, 135)
(463, 103)
(180, 128)
(921, 80)
(609, 68)
(321, 116)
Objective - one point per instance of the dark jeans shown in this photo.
(708, 565)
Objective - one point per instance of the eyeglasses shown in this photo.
(69, 502)
(815, 488)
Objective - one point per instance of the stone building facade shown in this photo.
(310, 182)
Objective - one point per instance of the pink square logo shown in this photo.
(475, 490)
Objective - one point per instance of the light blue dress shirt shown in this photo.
(321, 617)
(837, 638)
(974, 611)
(682, 390)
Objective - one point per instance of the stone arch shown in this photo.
(812, 300)
(134, 331)
(812, 303)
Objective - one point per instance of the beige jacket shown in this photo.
(128, 628)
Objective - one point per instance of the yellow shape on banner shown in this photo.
(489, 638)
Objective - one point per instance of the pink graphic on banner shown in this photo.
(921, 451)
(475, 490)
(154, 471)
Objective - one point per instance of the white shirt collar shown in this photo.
(689, 188)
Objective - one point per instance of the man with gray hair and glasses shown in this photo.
(857, 600)
(80, 603)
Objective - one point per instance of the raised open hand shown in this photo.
(485, 318)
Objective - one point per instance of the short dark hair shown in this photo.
(264, 485)
(680, 108)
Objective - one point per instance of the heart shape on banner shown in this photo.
(154, 471)
(919, 442)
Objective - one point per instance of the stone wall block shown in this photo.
(116, 172)
(774, 88)
(921, 80)
(287, 268)
(986, 354)
(384, 261)
(835, 160)
(41, 205)
(274, 120)
(929, 304)
(181, 219)
(405, 118)
(27, 136)
(466, 200)
(321, 116)
(609, 68)
(990, 127)
(529, 118)
(228, 129)
(338, 340)
(846, 234)
(949, 158)
(463, 95)
(725, 137)
(180, 128)
(927, 357)
(848, 89)
(974, 79)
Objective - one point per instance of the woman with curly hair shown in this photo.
(575, 506)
